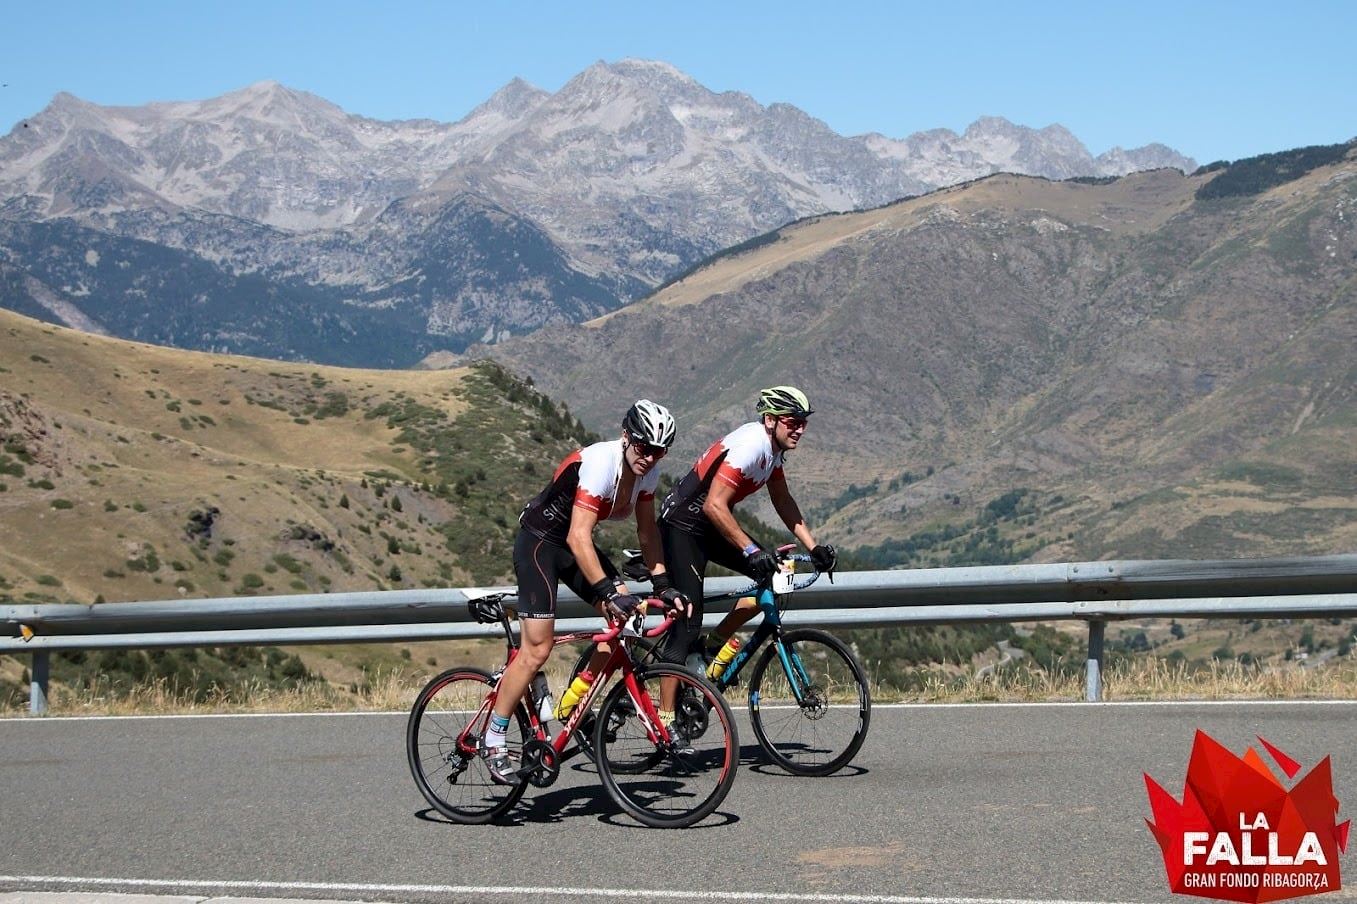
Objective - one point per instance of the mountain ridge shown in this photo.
(632, 172)
(1120, 338)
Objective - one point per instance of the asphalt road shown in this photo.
(978, 803)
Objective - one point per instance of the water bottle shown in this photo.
(541, 697)
(723, 658)
(577, 689)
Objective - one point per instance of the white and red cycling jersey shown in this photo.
(588, 478)
(743, 458)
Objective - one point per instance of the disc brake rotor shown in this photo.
(814, 703)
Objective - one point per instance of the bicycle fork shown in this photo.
(798, 680)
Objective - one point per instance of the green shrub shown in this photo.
(1255, 175)
(148, 561)
(287, 562)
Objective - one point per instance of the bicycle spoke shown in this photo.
(452, 776)
(659, 784)
(809, 703)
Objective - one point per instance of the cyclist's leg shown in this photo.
(536, 563)
(745, 608)
(685, 560)
(723, 553)
(572, 577)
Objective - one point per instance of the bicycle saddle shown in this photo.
(486, 609)
(634, 568)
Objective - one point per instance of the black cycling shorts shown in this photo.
(685, 559)
(539, 565)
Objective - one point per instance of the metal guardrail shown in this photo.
(1094, 592)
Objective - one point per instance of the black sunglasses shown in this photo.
(647, 450)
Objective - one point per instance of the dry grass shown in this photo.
(128, 439)
(1143, 679)
(1132, 205)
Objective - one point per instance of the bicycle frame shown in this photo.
(770, 627)
(618, 660)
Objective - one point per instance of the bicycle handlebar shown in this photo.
(615, 628)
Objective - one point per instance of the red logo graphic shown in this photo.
(1239, 834)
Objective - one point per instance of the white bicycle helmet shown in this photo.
(647, 422)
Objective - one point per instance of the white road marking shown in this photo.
(1068, 704)
(545, 891)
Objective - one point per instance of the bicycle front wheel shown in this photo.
(442, 740)
(656, 779)
(809, 702)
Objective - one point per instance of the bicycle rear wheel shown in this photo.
(442, 737)
(809, 702)
(650, 779)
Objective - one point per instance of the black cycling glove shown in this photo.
(622, 605)
(615, 605)
(762, 563)
(824, 557)
(673, 598)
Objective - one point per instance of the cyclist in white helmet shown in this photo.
(607, 481)
(697, 523)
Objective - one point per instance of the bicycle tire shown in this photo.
(672, 790)
(822, 733)
(439, 763)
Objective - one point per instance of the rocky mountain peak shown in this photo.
(629, 173)
(514, 101)
(268, 103)
(656, 75)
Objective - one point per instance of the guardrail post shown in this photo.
(37, 685)
(1093, 668)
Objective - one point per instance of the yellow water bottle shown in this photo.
(723, 658)
(577, 689)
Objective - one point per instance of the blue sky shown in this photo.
(1213, 80)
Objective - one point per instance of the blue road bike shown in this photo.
(808, 696)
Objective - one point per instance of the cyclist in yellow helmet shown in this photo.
(697, 523)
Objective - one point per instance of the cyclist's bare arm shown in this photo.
(717, 510)
(580, 541)
(790, 512)
(648, 534)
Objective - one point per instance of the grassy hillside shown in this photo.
(1017, 369)
(135, 472)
